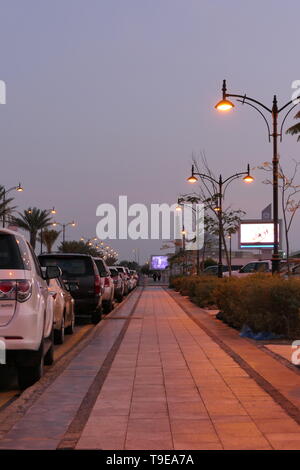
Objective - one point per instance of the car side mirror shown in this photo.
(53, 272)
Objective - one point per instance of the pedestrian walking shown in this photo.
(154, 277)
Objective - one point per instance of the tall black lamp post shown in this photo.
(18, 188)
(73, 224)
(226, 105)
(222, 185)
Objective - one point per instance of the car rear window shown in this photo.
(113, 271)
(121, 270)
(10, 257)
(70, 266)
(100, 266)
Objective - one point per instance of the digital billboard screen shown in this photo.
(257, 234)
(159, 262)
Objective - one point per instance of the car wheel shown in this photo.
(96, 316)
(31, 373)
(69, 330)
(108, 306)
(49, 356)
(59, 335)
(27, 376)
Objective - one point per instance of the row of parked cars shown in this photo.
(40, 297)
(256, 266)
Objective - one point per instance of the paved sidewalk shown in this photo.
(169, 386)
(172, 387)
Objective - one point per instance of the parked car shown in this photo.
(118, 283)
(64, 317)
(134, 277)
(81, 274)
(125, 277)
(213, 270)
(108, 285)
(26, 308)
(251, 268)
(129, 279)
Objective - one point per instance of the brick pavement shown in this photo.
(170, 386)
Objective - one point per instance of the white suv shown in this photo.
(26, 308)
(251, 268)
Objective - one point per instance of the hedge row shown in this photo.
(263, 302)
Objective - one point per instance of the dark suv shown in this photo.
(80, 273)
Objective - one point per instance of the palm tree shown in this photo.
(295, 129)
(49, 237)
(32, 220)
(74, 246)
(5, 209)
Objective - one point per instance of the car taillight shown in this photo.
(24, 289)
(106, 282)
(15, 290)
(97, 284)
(7, 290)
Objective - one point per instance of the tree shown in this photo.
(32, 220)
(5, 208)
(290, 202)
(295, 129)
(74, 246)
(49, 237)
(145, 269)
(129, 264)
(111, 260)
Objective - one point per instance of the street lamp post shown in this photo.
(220, 195)
(18, 188)
(226, 105)
(229, 236)
(64, 227)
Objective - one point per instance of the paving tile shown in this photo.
(170, 386)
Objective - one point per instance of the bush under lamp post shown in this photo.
(226, 105)
(222, 185)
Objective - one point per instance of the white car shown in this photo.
(251, 268)
(26, 308)
(107, 284)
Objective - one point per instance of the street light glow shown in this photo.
(224, 105)
(192, 179)
(248, 179)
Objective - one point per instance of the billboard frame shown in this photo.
(258, 246)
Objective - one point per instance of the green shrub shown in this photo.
(263, 302)
(204, 292)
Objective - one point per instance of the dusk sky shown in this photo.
(112, 97)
